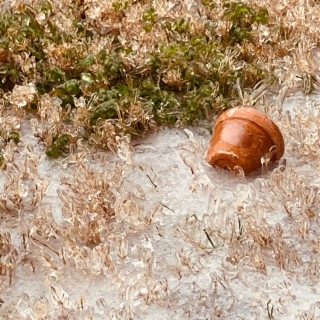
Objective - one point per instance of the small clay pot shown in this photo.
(242, 136)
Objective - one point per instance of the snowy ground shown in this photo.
(187, 241)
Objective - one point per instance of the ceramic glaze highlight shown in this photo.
(242, 136)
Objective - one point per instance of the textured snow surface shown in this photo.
(187, 241)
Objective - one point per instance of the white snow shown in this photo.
(188, 241)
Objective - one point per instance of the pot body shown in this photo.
(242, 136)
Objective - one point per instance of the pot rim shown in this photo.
(249, 113)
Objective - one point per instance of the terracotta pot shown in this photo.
(242, 136)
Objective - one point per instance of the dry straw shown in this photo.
(149, 229)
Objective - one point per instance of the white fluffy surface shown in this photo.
(154, 258)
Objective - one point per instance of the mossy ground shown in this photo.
(152, 231)
(129, 66)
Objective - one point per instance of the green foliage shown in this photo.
(14, 136)
(210, 3)
(104, 110)
(186, 78)
(150, 18)
(180, 26)
(59, 146)
(67, 90)
(242, 18)
(261, 17)
(120, 5)
(205, 78)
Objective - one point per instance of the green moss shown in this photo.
(59, 146)
(188, 77)
(14, 136)
(103, 111)
(242, 18)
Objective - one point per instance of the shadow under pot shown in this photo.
(243, 137)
